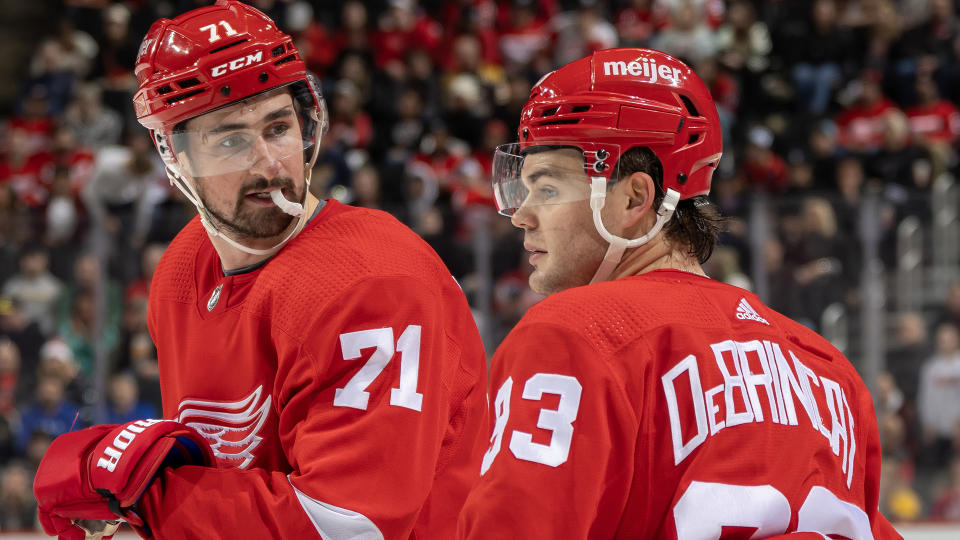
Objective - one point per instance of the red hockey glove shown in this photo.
(100, 472)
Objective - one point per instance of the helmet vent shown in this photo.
(164, 90)
(561, 122)
(693, 138)
(689, 105)
(580, 108)
(228, 45)
(187, 83)
(550, 112)
(278, 50)
(285, 59)
(185, 95)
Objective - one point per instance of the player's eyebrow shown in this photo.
(545, 169)
(270, 117)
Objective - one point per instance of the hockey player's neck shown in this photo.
(232, 258)
(656, 255)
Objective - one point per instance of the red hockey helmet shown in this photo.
(612, 101)
(211, 57)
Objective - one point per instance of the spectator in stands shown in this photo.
(351, 129)
(878, 38)
(89, 275)
(477, 18)
(934, 124)
(780, 278)
(581, 31)
(820, 257)
(898, 499)
(61, 224)
(96, 125)
(50, 413)
(424, 79)
(314, 41)
(11, 391)
(764, 169)
(8, 449)
(946, 504)
(688, 36)
(905, 357)
(84, 335)
(939, 395)
(113, 67)
(24, 333)
(70, 49)
(950, 310)
(35, 290)
(123, 401)
(401, 27)
(15, 228)
(639, 20)
(353, 31)
(898, 162)
(525, 34)
(725, 90)
(57, 361)
(928, 49)
(26, 169)
(817, 54)
(861, 122)
(70, 154)
(128, 182)
(888, 400)
(743, 48)
(18, 508)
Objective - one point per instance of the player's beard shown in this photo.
(252, 222)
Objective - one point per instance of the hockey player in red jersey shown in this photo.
(642, 399)
(323, 352)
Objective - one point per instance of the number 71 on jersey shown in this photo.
(354, 394)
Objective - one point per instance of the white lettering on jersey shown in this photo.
(121, 442)
(783, 384)
(232, 428)
(236, 64)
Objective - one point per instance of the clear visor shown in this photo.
(266, 132)
(545, 174)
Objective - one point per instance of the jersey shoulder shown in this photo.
(174, 278)
(345, 247)
(611, 314)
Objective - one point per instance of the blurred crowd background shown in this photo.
(840, 126)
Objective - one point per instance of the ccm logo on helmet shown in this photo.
(645, 68)
(236, 64)
(112, 454)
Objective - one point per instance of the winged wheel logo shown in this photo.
(231, 428)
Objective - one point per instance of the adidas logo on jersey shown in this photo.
(746, 312)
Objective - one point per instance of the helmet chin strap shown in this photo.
(598, 196)
(209, 223)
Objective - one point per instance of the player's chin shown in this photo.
(267, 224)
(540, 282)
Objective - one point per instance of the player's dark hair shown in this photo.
(697, 222)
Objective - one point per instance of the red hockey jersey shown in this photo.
(342, 386)
(671, 406)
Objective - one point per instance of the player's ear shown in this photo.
(638, 190)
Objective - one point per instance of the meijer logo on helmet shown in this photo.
(645, 68)
(236, 64)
